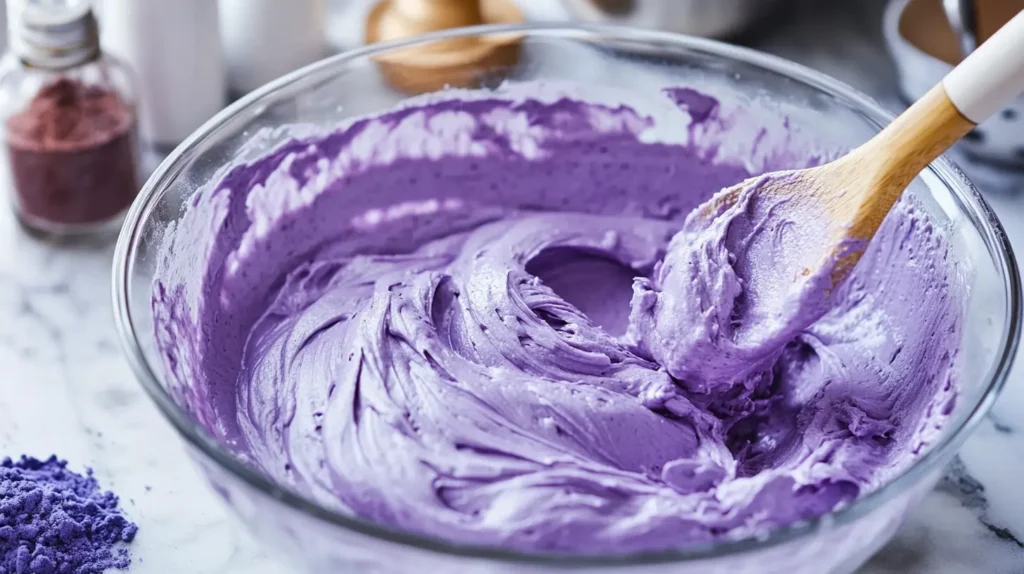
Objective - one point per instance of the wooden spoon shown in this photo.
(855, 192)
(759, 262)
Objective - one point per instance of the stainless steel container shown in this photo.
(710, 18)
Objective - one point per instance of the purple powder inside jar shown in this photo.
(72, 154)
(53, 520)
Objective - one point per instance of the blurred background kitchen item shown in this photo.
(264, 39)
(175, 49)
(3, 24)
(454, 63)
(711, 18)
(962, 22)
(715, 19)
(346, 19)
(926, 38)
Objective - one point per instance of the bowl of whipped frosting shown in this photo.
(421, 333)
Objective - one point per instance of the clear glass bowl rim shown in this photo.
(969, 201)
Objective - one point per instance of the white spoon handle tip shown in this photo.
(990, 76)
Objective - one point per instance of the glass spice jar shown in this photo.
(68, 116)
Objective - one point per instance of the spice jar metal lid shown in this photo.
(55, 34)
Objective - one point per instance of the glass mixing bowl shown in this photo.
(353, 84)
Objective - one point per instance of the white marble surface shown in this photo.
(66, 389)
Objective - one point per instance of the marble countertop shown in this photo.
(66, 388)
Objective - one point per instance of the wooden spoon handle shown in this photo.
(883, 167)
(991, 75)
(982, 84)
(894, 157)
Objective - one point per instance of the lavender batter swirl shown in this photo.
(465, 317)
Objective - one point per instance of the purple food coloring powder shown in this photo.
(55, 521)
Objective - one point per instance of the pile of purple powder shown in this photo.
(55, 521)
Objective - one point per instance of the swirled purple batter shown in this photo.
(480, 318)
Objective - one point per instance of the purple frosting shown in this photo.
(735, 287)
(53, 520)
(486, 318)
